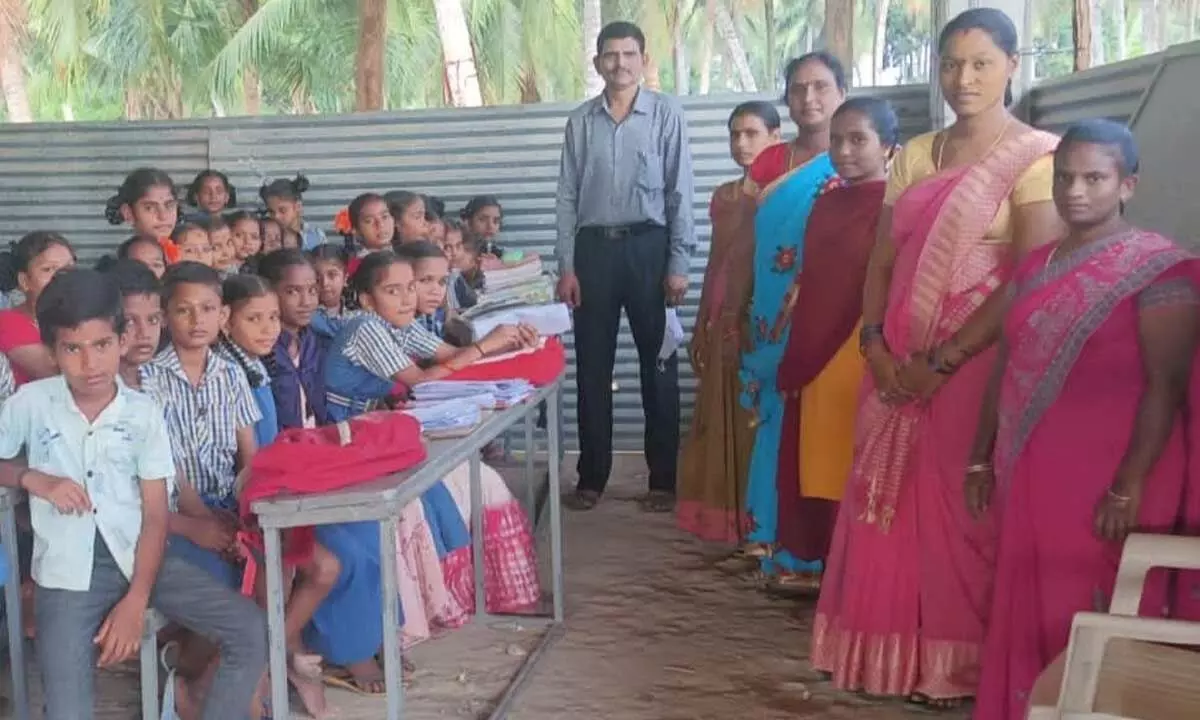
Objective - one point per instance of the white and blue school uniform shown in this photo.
(202, 422)
(110, 457)
(363, 359)
(259, 380)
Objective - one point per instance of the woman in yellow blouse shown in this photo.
(904, 601)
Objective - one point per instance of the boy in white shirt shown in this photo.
(97, 459)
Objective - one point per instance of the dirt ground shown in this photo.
(653, 633)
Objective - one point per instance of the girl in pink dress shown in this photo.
(1083, 420)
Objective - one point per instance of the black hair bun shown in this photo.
(112, 210)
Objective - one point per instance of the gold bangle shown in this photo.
(978, 468)
(1117, 497)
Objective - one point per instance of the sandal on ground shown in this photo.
(581, 500)
(924, 700)
(657, 501)
(371, 685)
(795, 585)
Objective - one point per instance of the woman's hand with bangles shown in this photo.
(885, 369)
(977, 488)
(1117, 511)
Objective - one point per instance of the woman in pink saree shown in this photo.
(1083, 420)
(905, 597)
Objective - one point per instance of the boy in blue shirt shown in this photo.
(97, 459)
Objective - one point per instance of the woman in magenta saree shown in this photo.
(1086, 415)
(904, 601)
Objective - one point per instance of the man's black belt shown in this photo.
(617, 232)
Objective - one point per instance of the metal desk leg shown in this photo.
(277, 636)
(531, 489)
(477, 537)
(12, 604)
(393, 669)
(148, 657)
(554, 455)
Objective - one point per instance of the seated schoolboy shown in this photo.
(141, 303)
(210, 412)
(98, 459)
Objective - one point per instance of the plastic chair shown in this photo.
(1122, 667)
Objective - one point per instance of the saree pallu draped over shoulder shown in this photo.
(1068, 403)
(716, 453)
(904, 602)
(821, 372)
(779, 230)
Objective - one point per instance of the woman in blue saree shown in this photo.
(788, 178)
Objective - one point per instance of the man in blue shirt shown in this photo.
(625, 237)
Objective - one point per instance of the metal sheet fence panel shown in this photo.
(59, 176)
(1109, 91)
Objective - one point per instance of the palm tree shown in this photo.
(12, 61)
(519, 49)
(879, 39)
(592, 24)
(462, 79)
(368, 61)
(839, 30)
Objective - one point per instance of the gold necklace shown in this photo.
(937, 163)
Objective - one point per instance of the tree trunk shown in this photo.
(1081, 29)
(593, 84)
(839, 30)
(772, 49)
(1098, 49)
(735, 50)
(251, 88)
(679, 49)
(879, 40)
(368, 61)
(1122, 29)
(461, 74)
(1149, 13)
(1163, 24)
(651, 78)
(706, 52)
(12, 61)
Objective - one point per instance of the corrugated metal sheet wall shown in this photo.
(1110, 91)
(58, 176)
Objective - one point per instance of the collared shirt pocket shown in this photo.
(650, 172)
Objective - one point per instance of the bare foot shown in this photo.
(185, 702)
(304, 673)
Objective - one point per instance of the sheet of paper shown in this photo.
(548, 320)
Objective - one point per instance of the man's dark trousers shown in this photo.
(624, 268)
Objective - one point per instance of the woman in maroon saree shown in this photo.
(822, 370)
(1083, 419)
